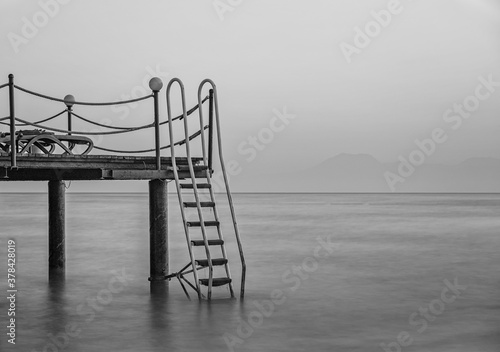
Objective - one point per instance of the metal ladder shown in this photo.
(203, 170)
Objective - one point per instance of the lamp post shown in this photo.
(69, 100)
(156, 84)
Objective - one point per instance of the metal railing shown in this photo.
(214, 112)
(207, 151)
(155, 85)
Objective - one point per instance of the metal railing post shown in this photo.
(156, 84)
(210, 127)
(69, 100)
(13, 140)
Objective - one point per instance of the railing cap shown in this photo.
(155, 84)
(69, 100)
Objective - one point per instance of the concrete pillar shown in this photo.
(57, 256)
(158, 230)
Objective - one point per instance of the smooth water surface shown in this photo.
(382, 271)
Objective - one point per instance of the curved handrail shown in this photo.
(81, 102)
(193, 180)
(209, 164)
(226, 180)
(200, 114)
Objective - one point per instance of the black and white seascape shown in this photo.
(230, 175)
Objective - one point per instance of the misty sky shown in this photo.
(267, 55)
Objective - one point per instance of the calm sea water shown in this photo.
(383, 274)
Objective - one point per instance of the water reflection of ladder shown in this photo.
(204, 237)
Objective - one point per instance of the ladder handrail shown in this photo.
(224, 173)
(177, 183)
(207, 160)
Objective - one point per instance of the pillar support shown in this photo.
(158, 230)
(57, 256)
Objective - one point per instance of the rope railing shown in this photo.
(44, 120)
(107, 126)
(134, 128)
(155, 85)
(180, 117)
(81, 102)
(82, 132)
(125, 129)
(181, 142)
(189, 112)
(24, 124)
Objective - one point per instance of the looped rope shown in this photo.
(44, 120)
(180, 117)
(120, 129)
(83, 103)
(181, 142)
(80, 132)
(106, 126)
(4, 85)
(189, 112)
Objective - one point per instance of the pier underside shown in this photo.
(43, 167)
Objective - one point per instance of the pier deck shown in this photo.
(57, 161)
(43, 167)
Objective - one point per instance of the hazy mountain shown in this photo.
(363, 173)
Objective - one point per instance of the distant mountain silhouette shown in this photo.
(363, 173)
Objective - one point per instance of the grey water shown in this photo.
(326, 272)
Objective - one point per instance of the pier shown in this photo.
(35, 151)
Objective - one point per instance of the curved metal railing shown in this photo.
(207, 157)
(193, 180)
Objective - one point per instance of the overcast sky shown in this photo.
(373, 90)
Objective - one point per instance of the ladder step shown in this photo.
(195, 167)
(210, 242)
(202, 204)
(198, 223)
(198, 185)
(217, 261)
(219, 281)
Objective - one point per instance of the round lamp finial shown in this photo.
(69, 100)
(155, 84)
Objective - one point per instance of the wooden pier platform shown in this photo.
(57, 168)
(55, 163)
(43, 167)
